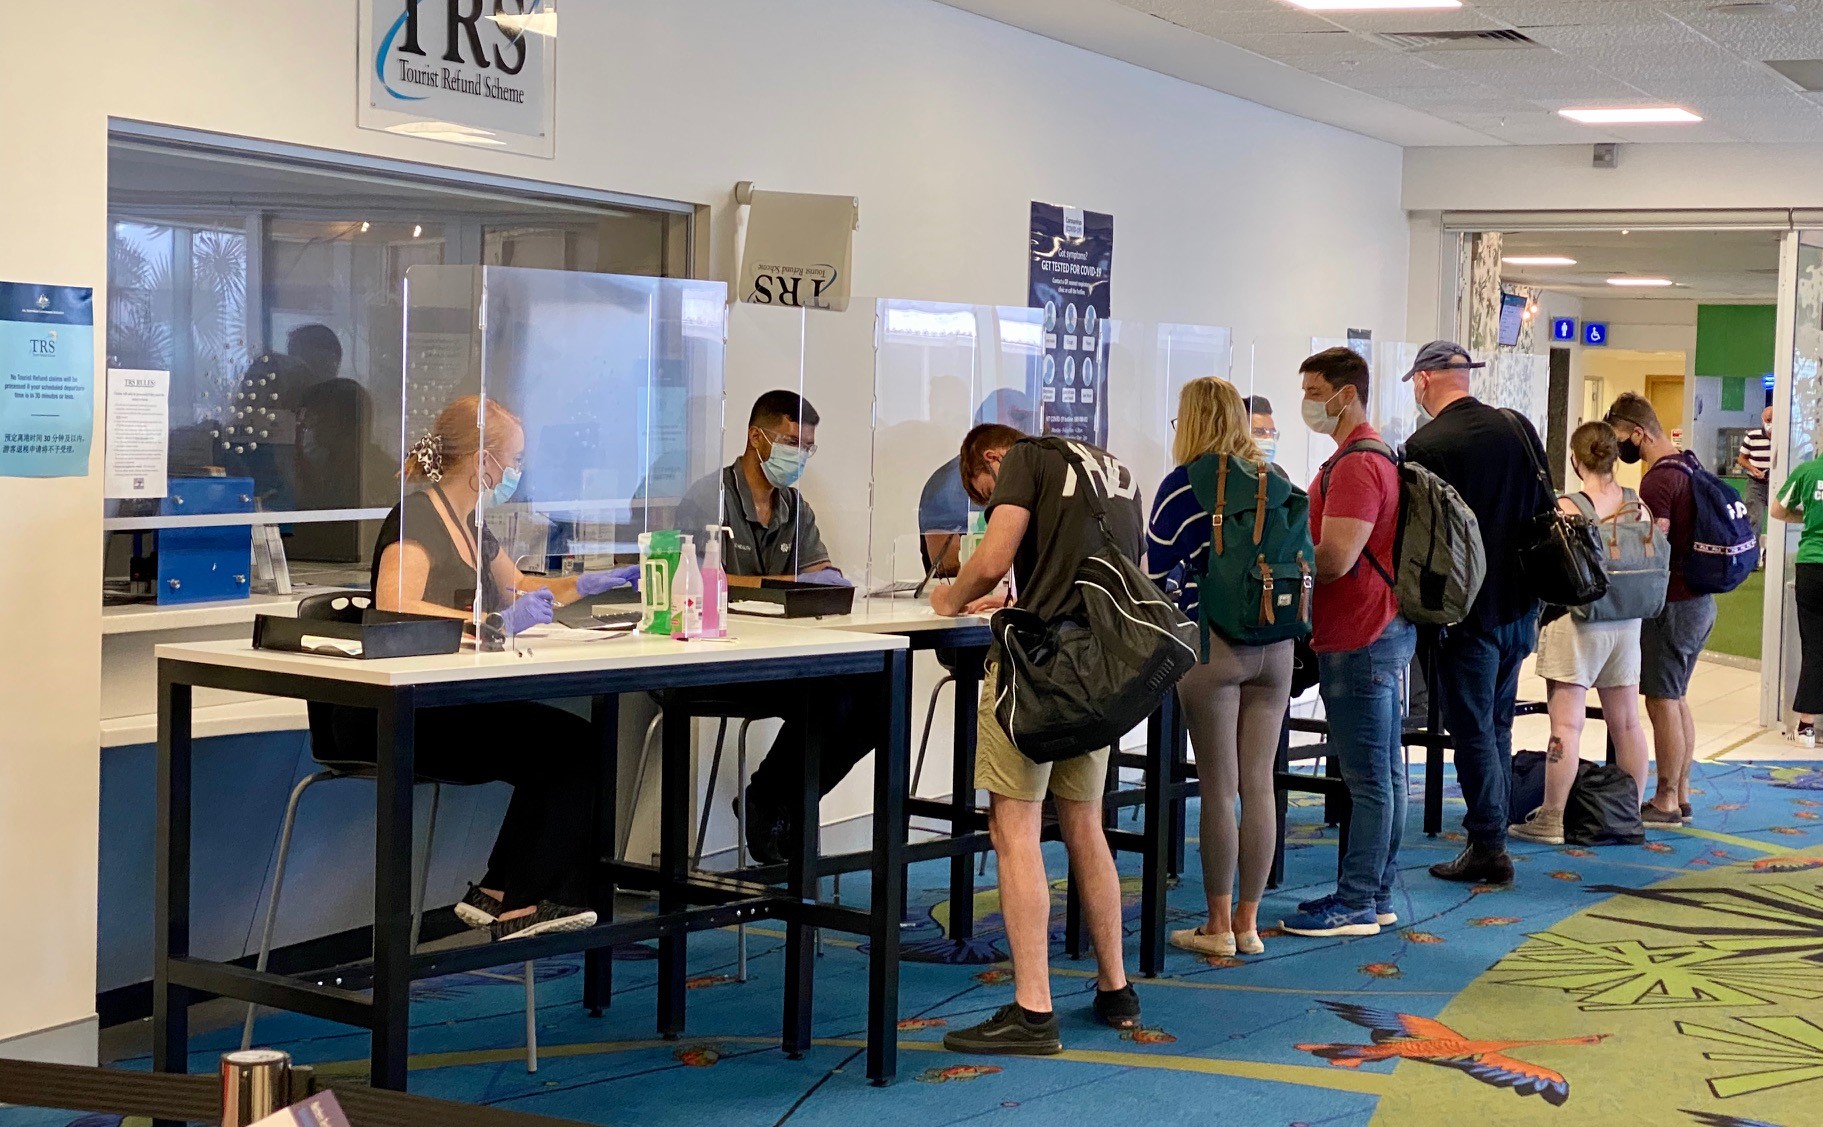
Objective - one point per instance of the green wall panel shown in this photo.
(1735, 340)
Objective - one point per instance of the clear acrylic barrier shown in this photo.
(1148, 365)
(766, 355)
(938, 370)
(602, 395)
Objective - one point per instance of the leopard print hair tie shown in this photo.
(427, 452)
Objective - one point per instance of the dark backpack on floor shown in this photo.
(1725, 547)
(1603, 808)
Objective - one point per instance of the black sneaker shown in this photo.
(545, 920)
(1118, 1008)
(1007, 1033)
(478, 910)
(1477, 864)
(768, 829)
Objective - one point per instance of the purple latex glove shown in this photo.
(826, 577)
(595, 582)
(534, 608)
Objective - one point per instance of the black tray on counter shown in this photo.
(379, 633)
(800, 600)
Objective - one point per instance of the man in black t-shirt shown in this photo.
(1040, 527)
(1490, 457)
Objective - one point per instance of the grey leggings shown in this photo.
(1234, 705)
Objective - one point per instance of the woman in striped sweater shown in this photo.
(1234, 702)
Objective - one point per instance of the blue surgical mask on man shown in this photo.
(785, 465)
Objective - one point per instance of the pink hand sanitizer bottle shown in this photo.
(715, 586)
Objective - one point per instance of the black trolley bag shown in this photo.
(1069, 687)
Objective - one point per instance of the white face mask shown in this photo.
(1317, 416)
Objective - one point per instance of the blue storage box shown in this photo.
(202, 565)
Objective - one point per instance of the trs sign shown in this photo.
(1595, 334)
(472, 72)
(1563, 330)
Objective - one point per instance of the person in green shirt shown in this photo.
(1800, 501)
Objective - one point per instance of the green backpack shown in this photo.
(1256, 587)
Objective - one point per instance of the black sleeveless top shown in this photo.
(451, 582)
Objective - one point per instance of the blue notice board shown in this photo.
(47, 380)
(1595, 334)
(1563, 330)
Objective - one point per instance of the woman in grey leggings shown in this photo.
(1234, 702)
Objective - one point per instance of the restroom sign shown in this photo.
(1595, 334)
(1563, 330)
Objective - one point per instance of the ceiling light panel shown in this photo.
(1630, 115)
(1537, 260)
(1644, 283)
(1374, 5)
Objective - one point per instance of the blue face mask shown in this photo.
(784, 465)
(509, 485)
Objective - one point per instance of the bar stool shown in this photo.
(334, 604)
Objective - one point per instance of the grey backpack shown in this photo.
(1636, 556)
(1438, 556)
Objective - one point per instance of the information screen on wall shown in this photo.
(1070, 279)
(47, 380)
(473, 74)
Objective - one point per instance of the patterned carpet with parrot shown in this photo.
(1676, 982)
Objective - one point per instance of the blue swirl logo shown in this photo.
(379, 60)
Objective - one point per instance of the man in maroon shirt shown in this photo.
(1363, 644)
(1669, 644)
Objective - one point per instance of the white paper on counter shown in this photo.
(139, 432)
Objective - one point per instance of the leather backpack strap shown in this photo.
(1221, 507)
(1259, 508)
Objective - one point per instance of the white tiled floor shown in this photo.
(1726, 701)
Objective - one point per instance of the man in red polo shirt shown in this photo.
(1363, 644)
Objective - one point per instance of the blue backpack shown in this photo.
(1726, 546)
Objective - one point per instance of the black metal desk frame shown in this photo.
(686, 902)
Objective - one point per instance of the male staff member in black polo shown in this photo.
(772, 533)
(1486, 454)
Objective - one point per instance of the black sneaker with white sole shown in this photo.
(479, 910)
(545, 920)
(1008, 1033)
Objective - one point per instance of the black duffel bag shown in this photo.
(1560, 554)
(1070, 687)
(1603, 808)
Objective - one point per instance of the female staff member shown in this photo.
(429, 553)
(1575, 656)
(1800, 501)
(1234, 702)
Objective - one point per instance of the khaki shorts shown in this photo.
(1001, 769)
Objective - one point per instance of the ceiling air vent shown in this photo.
(1806, 73)
(1503, 40)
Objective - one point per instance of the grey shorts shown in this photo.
(1669, 645)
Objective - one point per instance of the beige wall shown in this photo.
(1624, 370)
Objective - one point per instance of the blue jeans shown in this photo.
(1361, 697)
(1479, 679)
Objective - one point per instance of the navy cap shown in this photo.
(1442, 356)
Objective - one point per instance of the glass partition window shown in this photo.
(569, 415)
(272, 293)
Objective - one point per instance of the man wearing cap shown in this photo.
(1670, 642)
(1483, 453)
